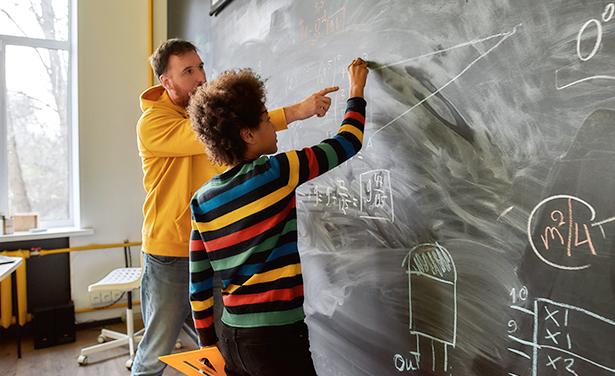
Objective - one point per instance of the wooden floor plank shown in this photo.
(62, 359)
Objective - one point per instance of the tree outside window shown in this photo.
(36, 123)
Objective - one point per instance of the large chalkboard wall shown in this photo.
(474, 233)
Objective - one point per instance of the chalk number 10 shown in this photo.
(521, 295)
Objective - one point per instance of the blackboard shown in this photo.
(474, 233)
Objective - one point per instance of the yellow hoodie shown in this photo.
(175, 166)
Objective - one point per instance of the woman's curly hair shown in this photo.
(220, 108)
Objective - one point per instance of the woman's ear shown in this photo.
(247, 135)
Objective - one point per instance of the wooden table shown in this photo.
(6, 270)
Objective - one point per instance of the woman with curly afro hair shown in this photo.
(244, 223)
(223, 107)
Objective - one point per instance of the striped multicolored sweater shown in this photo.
(244, 229)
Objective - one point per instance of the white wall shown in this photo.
(113, 51)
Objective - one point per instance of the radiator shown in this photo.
(6, 292)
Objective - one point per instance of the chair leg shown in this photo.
(111, 335)
(130, 325)
(119, 339)
(130, 332)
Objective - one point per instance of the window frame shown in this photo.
(69, 45)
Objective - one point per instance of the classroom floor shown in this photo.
(62, 359)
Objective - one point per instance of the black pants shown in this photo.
(268, 351)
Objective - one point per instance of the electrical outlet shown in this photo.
(95, 298)
(105, 296)
(115, 295)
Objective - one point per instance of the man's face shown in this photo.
(184, 74)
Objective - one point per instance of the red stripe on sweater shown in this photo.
(264, 297)
(312, 163)
(204, 323)
(196, 245)
(250, 232)
(355, 115)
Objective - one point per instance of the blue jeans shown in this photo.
(267, 351)
(165, 304)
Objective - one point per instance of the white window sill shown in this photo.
(51, 233)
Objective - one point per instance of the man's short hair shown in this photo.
(220, 108)
(160, 58)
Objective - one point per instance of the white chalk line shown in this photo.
(604, 77)
(519, 353)
(445, 50)
(588, 78)
(504, 37)
(522, 309)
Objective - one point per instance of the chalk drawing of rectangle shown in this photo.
(433, 313)
(432, 288)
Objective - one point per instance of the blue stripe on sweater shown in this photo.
(202, 286)
(347, 145)
(244, 188)
(251, 269)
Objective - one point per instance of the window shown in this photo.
(36, 171)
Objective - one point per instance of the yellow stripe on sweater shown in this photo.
(199, 306)
(272, 275)
(260, 204)
(352, 129)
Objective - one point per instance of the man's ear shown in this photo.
(247, 135)
(164, 80)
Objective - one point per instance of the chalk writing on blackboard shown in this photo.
(606, 17)
(431, 272)
(565, 227)
(408, 363)
(339, 197)
(568, 73)
(559, 340)
(377, 195)
(503, 36)
(375, 200)
(325, 75)
(324, 24)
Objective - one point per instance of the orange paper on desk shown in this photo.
(190, 362)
